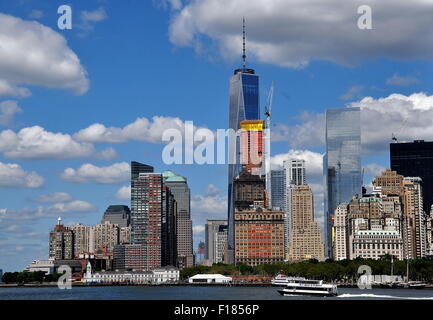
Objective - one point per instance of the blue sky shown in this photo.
(144, 59)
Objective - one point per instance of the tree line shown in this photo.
(329, 270)
(29, 277)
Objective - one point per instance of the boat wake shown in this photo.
(379, 296)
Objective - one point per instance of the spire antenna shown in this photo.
(244, 57)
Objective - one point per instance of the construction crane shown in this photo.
(268, 108)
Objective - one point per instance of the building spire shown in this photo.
(244, 57)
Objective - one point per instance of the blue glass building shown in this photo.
(341, 163)
(244, 105)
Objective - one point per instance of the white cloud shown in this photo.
(313, 162)
(88, 19)
(292, 33)
(54, 197)
(407, 117)
(36, 14)
(208, 205)
(140, 130)
(116, 173)
(212, 190)
(352, 92)
(14, 176)
(8, 89)
(8, 109)
(373, 170)
(124, 193)
(398, 80)
(54, 210)
(33, 54)
(198, 229)
(37, 143)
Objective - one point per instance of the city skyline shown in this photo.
(88, 140)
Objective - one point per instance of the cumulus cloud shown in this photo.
(124, 193)
(292, 33)
(116, 173)
(51, 211)
(352, 92)
(37, 143)
(407, 117)
(373, 170)
(398, 80)
(53, 197)
(313, 162)
(212, 190)
(141, 129)
(8, 109)
(208, 205)
(88, 19)
(14, 176)
(33, 54)
(8, 89)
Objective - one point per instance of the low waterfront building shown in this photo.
(46, 266)
(209, 278)
(156, 276)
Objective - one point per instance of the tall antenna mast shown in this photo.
(244, 57)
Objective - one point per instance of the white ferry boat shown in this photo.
(280, 280)
(302, 286)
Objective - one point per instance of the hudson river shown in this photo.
(196, 293)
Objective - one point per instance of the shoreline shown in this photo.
(80, 284)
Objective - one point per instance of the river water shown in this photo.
(198, 293)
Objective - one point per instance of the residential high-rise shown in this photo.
(61, 242)
(340, 237)
(341, 163)
(415, 159)
(211, 229)
(220, 243)
(117, 214)
(146, 217)
(179, 188)
(306, 241)
(244, 105)
(81, 238)
(295, 175)
(106, 236)
(259, 235)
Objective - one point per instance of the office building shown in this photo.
(243, 105)
(220, 243)
(341, 163)
(339, 235)
(61, 245)
(178, 186)
(169, 228)
(278, 194)
(306, 241)
(415, 159)
(211, 230)
(259, 235)
(117, 214)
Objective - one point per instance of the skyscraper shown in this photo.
(278, 194)
(117, 214)
(251, 145)
(146, 217)
(211, 229)
(244, 105)
(415, 159)
(178, 186)
(306, 241)
(61, 242)
(341, 163)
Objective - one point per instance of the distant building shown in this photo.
(259, 235)
(340, 236)
(61, 242)
(278, 193)
(178, 186)
(209, 278)
(125, 235)
(415, 159)
(84, 240)
(106, 236)
(341, 163)
(117, 214)
(306, 241)
(220, 243)
(46, 266)
(211, 231)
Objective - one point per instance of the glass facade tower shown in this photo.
(244, 105)
(341, 163)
